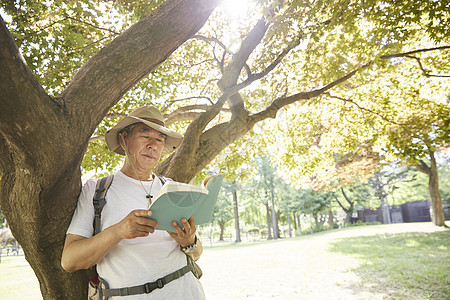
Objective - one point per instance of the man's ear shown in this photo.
(122, 140)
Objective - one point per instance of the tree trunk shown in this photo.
(268, 217)
(43, 139)
(295, 222)
(222, 229)
(330, 219)
(289, 224)
(236, 214)
(386, 212)
(348, 211)
(274, 217)
(382, 195)
(436, 208)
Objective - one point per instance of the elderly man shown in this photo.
(128, 252)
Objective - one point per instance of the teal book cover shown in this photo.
(180, 200)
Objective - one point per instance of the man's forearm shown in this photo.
(82, 253)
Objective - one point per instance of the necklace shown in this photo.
(148, 196)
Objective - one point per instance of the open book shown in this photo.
(178, 200)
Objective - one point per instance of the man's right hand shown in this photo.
(82, 253)
(136, 224)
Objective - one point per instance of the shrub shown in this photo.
(253, 230)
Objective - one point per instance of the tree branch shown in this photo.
(195, 64)
(277, 104)
(425, 73)
(145, 9)
(409, 55)
(214, 40)
(423, 167)
(90, 44)
(413, 52)
(91, 25)
(182, 116)
(220, 62)
(25, 106)
(232, 71)
(341, 205)
(364, 109)
(104, 79)
(253, 77)
(69, 18)
(346, 198)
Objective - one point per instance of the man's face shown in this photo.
(145, 146)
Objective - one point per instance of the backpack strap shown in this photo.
(162, 178)
(106, 292)
(99, 200)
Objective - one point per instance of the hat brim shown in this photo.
(173, 139)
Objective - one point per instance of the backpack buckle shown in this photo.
(160, 283)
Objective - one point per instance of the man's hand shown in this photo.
(184, 236)
(82, 253)
(136, 224)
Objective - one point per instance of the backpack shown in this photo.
(99, 201)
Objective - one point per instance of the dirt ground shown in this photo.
(299, 268)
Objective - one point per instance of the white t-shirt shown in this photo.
(134, 261)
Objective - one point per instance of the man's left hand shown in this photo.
(185, 236)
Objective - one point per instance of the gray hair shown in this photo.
(129, 129)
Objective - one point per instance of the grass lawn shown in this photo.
(17, 279)
(397, 261)
(408, 265)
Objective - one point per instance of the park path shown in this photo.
(298, 268)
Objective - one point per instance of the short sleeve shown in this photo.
(83, 217)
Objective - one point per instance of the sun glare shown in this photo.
(237, 8)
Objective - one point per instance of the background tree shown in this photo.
(232, 188)
(222, 212)
(287, 203)
(267, 176)
(397, 111)
(259, 192)
(255, 204)
(353, 195)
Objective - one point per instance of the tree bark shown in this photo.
(274, 216)
(436, 208)
(222, 229)
(43, 139)
(295, 222)
(330, 218)
(289, 224)
(236, 214)
(348, 211)
(269, 229)
(382, 195)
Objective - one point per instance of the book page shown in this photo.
(172, 186)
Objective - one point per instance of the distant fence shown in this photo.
(417, 211)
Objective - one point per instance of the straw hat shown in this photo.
(151, 117)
